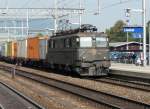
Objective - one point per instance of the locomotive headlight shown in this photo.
(77, 39)
(94, 38)
(83, 58)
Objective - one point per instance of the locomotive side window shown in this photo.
(68, 43)
(73, 42)
(49, 43)
(101, 42)
(85, 42)
(58, 43)
(61, 43)
(77, 42)
(52, 44)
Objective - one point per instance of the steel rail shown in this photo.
(97, 96)
(125, 83)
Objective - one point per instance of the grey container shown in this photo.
(22, 48)
(43, 48)
(4, 49)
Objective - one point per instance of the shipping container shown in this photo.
(4, 49)
(0, 50)
(37, 48)
(9, 49)
(14, 51)
(33, 48)
(22, 48)
(43, 48)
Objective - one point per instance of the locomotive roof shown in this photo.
(80, 34)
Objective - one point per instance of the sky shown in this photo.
(109, 13)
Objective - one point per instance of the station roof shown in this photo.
(118, 44)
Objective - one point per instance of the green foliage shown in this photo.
(39, 34)
(116, 33)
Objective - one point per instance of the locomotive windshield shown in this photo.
(101, 42)
(85, 41)
(93, 42)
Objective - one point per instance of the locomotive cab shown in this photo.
(93, 54)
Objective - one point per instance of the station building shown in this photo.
(119, 51)
(122, 47)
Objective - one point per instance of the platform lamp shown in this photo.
(144, 31)
(127, 14)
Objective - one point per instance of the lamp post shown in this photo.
(80, 15)
(127, 21)
(55, 17)
(144, 29)
(127, 37)
(144, 32)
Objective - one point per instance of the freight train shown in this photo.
(82, 51)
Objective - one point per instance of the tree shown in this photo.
(39, 34)
(116, 33)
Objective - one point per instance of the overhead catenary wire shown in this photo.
(116, 4)
(67, 3)
(70, 4)
(120, 2)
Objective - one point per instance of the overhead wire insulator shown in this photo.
(128, 12)
(98, 8)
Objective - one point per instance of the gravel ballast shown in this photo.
(129, 93)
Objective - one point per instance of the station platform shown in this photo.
(130, 70)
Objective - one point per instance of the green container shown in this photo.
(9, 49)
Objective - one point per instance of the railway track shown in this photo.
(128, 77)
(12, 99)
(125, 83)
(105, 99)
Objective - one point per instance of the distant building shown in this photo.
(122, 47)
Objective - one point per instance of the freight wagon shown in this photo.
(3, 50)
(83, 51)
(30, 51)
(36, 50)
(8, 51)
